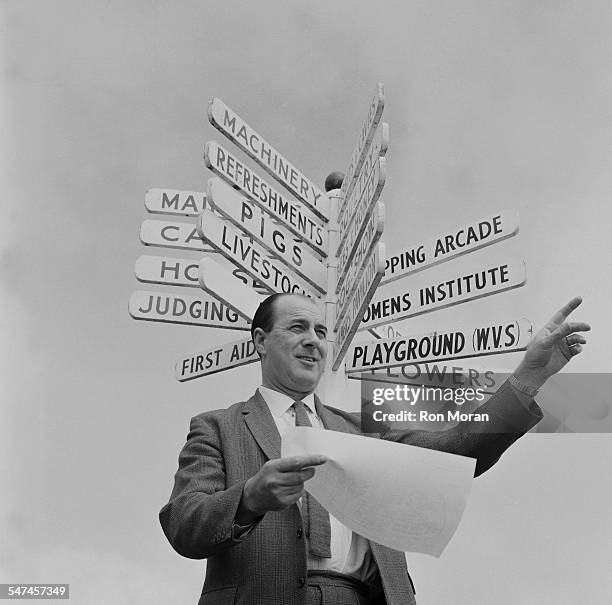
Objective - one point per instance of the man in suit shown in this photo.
(238, 504)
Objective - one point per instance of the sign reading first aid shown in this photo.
(256, 147)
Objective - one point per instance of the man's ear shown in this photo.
(259, 339)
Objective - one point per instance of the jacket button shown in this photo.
(300, 533)
(301, 582)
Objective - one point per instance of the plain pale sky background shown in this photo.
(491, 105)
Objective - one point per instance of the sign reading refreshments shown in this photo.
(459, 289)
(256, 147)
(453, 243)
(294, 216)
(483, 339)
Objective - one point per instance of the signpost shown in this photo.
(324, 245)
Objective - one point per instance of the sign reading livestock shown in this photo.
(254, 234)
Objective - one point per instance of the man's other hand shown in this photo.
(278, 484)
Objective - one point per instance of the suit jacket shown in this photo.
(226, 447)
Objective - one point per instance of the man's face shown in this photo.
(294, 351)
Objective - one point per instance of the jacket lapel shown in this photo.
(259, 420)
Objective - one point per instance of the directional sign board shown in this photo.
(366, 135)
(295, 216)
(217, 359)
(456, 290)
(368, 282)
(455, 242)
(202, 310)
(221, 284)
(269, 233)
(366, 194)
(167, 270)
(250, 256)
(256, 147)
(173, 201)
(356, 250)
(183, 236)
(474, 341)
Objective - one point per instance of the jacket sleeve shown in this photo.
(485, 441)
(198, 518)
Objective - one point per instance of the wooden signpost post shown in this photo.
(293, 237)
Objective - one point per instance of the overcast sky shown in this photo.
(491, 105)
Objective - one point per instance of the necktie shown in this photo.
(316, 518)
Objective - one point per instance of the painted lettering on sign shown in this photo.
(167, 270)
(250, 256)
(358, 213)
(173, 201)
(470, 237)
(266, 231)
(345, 328)
(365, 136)
(459, 289)
(487, 339)
(296, 217)
(255, 146)
(183, 236)
(203, 310)
(378, 148)
(217, 359)
(356, 249)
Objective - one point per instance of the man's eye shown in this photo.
(322, 333)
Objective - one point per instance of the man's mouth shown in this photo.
(307, 358)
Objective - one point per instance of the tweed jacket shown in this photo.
(226, 447)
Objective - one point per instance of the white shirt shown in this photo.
(350, 552)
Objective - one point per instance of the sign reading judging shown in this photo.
(203, 310)
(256, 147)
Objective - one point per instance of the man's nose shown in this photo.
(311, 337)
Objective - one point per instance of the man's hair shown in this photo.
(264, 316)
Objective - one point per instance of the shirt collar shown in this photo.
(279, 403)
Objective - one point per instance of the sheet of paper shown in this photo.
(405, 497)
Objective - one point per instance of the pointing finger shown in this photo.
(561, 315)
